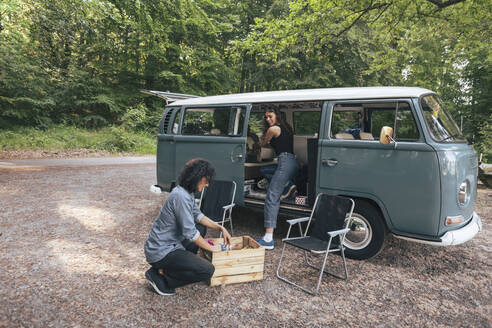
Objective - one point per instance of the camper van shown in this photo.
(395, 150)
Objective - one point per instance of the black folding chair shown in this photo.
(331, 215)
(217, 201)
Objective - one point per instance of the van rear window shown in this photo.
(214, 121)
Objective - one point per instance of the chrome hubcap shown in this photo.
(360, 233)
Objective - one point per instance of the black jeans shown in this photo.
(183, 267)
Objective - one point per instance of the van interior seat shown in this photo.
(347, 136)
(300, 148)
(366, 136)
(267, 154)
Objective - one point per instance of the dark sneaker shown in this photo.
(265, 244)
(289, 190)
(158, 282)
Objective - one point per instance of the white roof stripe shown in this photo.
(306, 95)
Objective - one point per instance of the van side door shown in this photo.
(216, 133)
(402, 179)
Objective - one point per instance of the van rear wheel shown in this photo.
(367, 232)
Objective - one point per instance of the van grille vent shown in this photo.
(473, 162)
(165, 121)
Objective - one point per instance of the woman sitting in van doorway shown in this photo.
(279, 135)
(174, 238)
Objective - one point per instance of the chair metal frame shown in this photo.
(332, 234)
(227, 214)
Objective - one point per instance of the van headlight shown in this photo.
(464, 193)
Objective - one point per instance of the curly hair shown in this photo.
(193, 171)
(280, 121)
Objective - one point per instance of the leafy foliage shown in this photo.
(83, 62)
(57, 137)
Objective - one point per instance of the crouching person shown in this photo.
(173, 242)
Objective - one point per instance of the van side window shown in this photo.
(214, 121)
(363, 121)
(306, 123)
(406, 128)
(175, 126)
(344, 121)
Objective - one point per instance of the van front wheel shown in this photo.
(367, 232)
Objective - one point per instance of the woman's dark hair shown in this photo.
(280, 121)
(193, 171)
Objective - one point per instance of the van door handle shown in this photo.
(329, 162)
(236, 157)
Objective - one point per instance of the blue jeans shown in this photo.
(285, 170)
(268, 171)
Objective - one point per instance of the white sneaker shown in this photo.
(263, 184)
(289, 190)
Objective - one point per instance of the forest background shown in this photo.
(79, 64)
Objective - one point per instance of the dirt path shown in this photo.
(24, 154)
(71, 256)
(75, 162)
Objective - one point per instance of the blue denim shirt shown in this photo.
(174, 223)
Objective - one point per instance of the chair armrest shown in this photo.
(338, 232)
(228, 206)
(294, 221)
(293, 238)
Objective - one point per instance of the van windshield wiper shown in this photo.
(454, 135)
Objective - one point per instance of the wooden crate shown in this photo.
(238, 264)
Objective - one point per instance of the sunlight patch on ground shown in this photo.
(82, 258)
(92, 218)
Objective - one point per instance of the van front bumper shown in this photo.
(463, 234)
(454, 237)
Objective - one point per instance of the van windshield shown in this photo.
(439, 122)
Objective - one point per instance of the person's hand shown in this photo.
(227, 236)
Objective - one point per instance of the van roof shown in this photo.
(306, 95)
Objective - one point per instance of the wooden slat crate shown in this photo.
(245, 262)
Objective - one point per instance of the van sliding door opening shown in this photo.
(304, 118)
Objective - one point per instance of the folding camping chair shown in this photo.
(217, 201)
(328, 233)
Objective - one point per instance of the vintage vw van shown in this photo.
(395, 150)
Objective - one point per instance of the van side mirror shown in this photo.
(386, 136)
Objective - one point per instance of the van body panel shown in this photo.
(404, 179)
(319, 94)
(458, 164)
(165, 161)
(225, 153)
(165, 168)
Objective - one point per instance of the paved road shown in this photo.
(75, 162)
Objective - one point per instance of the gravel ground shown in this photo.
(71, 255)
